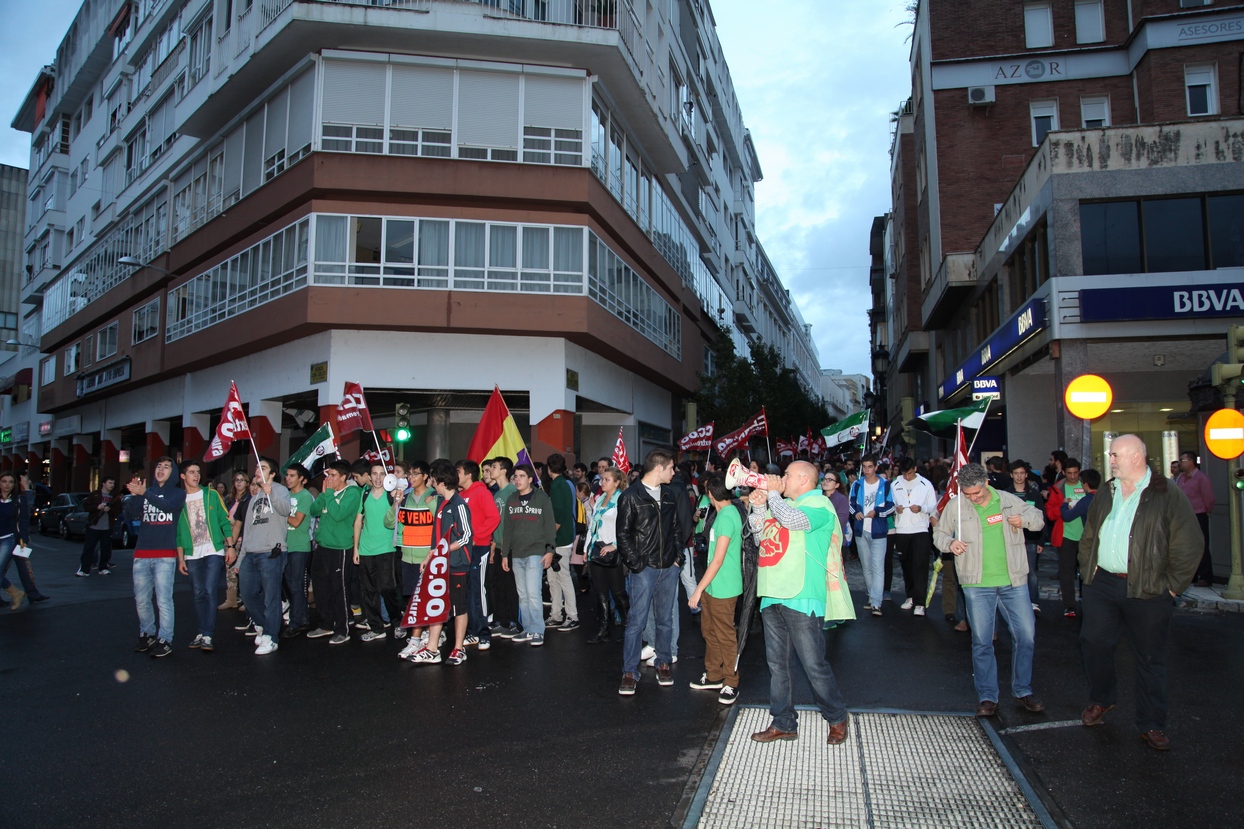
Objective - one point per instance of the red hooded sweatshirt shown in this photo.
(484, 516)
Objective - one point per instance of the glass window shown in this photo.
(1226, 230)
(1044, 119)
(367, 240)
(1095, 112)
(536, 248)
(1202, 87)
(1038, 25)
(1174, 235)
(1090, 23)
(503, 251)
(1110, 237)
(106, 342)
(399, 242)
(330, 238)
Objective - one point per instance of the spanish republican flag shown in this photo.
(497, 434)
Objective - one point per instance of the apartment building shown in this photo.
(427, 197)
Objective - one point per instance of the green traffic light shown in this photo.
(401, 435)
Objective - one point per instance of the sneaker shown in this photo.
(570, 624)
(664, 677)
(457, 656)
(1036, 608)
(1069, 614)
(265, 645)
(284, 606)
(245, 624)
(876, 611)
(536, 640)
(706, 684)
(647, 653)
(425, 656)
(318, 633)
(105, 572)
(360, 624)
(254, 630)
(509, 632)
(339, 639)
(470, 640)
(80, 573)
(356, 610)
(727, 695)
(207, 646)
(372, 636)
(145, 643)
(629, 682)
(919, 611)
(485, 645)
(495, 627)
(401, 633)
(652, 663)
(197, 641)
(885, 597)
(552, 622)
(521, 638)
(412, 647)
(907, 605)
(160, 649)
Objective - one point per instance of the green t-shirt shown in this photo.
(994, 572)
(1072, 530)
(299, 538)
(375, 538)
(728, 582)
(565, 503)
(706, 505)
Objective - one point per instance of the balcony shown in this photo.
(953, 282)
(744, 316)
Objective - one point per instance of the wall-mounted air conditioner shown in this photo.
(979, 96)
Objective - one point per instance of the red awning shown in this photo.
(118, 22)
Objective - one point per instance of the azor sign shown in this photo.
(1224, 434)
(1088, 397)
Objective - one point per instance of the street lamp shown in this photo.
(136, 263)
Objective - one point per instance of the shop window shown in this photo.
(1226, 230)
(1174, 235)
(1110, 237)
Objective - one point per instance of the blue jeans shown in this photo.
(296, 586)
(984, 603)
(656, 589)
(650, 628)
(155, 574)
(872, 560)
(788, 631)
(260, 581)
(1034, 552)
(205, 576)
(528, 572)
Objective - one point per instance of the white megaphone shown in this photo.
(739, 475)
(390, 482)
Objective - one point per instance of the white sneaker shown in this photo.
(907, 605)
(264, 645)
(647, 653)
(412, 647)
(919, 611)
(471, 639)
(652, 662)
(426, 657)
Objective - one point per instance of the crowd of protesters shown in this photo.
(526, 542)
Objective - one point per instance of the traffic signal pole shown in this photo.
(1235, 584)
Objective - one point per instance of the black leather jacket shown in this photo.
(652, 535)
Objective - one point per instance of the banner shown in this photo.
(952, 487)
(758, 425)
(785, 449)
(497, 434)
(352, 414)
(384, 456)
(850, 430)
(430, 603)
(233, 426)
(944, 422)
(698, 439)
(620, 460)
(320, 447)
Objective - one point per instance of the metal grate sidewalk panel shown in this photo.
(895, 770)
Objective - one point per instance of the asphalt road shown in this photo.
(519, 736)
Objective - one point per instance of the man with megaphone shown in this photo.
(795, 538)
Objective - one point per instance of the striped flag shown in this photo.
(497, 434)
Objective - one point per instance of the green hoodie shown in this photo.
(336, 512)
(219, 526)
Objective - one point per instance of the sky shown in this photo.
(816, 80)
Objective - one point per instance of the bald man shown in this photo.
(1140, 548)
(795, 536)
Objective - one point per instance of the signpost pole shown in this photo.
(1235, 584)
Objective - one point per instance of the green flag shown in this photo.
(943, 422)
(846, 431)
(319, 448)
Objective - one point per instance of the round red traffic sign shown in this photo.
(1088, 396)
(1224, 434)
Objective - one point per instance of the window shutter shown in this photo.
(161, 122)
(422, 96)
(252, 161)
(301, 111)
(233, 161)
(553, 102)
(488, 109)
(274, 132)
(354, 92)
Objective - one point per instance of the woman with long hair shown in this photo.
(608, 574)
(15, 531)
(236, 502)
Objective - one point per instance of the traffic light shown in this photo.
(1230, 372)
(1238, 480)
(401, 425)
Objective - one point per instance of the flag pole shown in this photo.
(768, 446)
(958, 490)
(984, 414)
(254, 448)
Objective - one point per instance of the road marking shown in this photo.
(1040, 726)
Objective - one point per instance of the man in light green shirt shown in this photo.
(719, 590)
(374, 553)
(298, 540)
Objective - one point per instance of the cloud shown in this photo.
(817, 82)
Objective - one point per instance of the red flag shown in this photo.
(430, 603)
(952, 488)
(233, 426)
(352, 414)
(697, 439)
(785, 448)
(384, 456)
(620, 460)
(804, 445)
(758, 425)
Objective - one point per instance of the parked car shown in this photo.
(49, 519)
(124, 533)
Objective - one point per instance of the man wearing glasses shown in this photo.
(983, 528)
